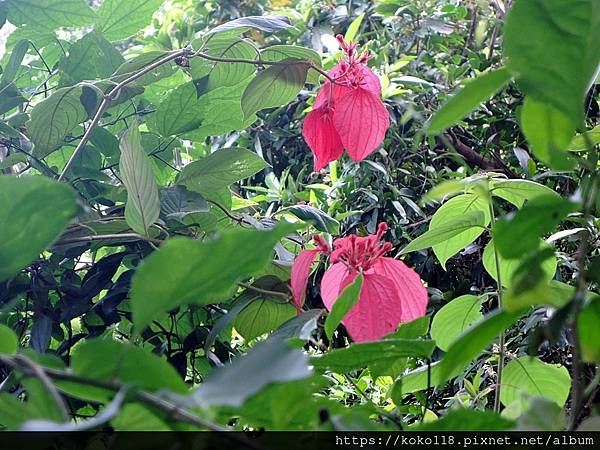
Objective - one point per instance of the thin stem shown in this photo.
(109, 97)
(99, 237)
(502, 338)
(264, 291)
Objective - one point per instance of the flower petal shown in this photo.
(335, 279)
(322, 137)
(300, 272)
(361, 121)
(408, 286)
(370, 81)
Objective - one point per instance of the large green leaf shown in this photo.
(458, 208)
(361, 355)
(589, 331)
(518, 192)
(463, 419)
(508, 267)
(551, 46)
(106, 359)
(118, 19)
(467, 99)
(49, 14)
(275, 86)
(520, 234)
(455, 317)
(320, 220)
(343, 305)
(272, 361)
(89, 58)
(9, 343)
(34, 211)
(474, 340)
(549, 132)
(55, 117)
(282, 52)
(220, 169)
(471, 222)
(143, 205)
(531, 376)
(178, 112)
(263, 316)
(184, 271)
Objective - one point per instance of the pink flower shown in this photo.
(348, 113)
(391, 292)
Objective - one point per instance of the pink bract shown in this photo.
(348, 113)
(392, 293)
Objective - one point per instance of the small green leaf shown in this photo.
(9, 343)
(34, 212)
(119, 19)
(14, 62)
(143, 204)
(358, 356)
(343, 305)
(531, 376)
(468, 98)
(549, 133)
(320, 220)
(589, 331)
(178, 273)
(455, 317)
(520, 234)
(220, 169)
(263, 316)
(275, 86)
(55, 117)
(471, 222)
(353, 28)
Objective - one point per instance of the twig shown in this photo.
(264, 291)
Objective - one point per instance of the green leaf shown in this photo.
(518, 192)
(220, 169)
(508, 267)
(520, 234)
(89, 58)
(343, 305)
(455, 317)
(456, 208)
(119, 19)
(531, 376)
(272, 361)
(137, 417)
(178, 112)
(106, 359)
(9, 343)
(468, 98)
(474, 340)
(179, 273)
(275, 86)
(418, 379)
(580, 142)
(12, 159)
(143, 205)
(463, 419)
(300, 327)
(549, 133)
(353, 28)
(358, 356)
(320, 220)
(49, 14)
(14, 63)
(34, 212)
(282, 52)
(262, 316)
(552, 49)
(589, 331)
(470, 222)
(54, 118)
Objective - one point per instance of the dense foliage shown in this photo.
(157, 189)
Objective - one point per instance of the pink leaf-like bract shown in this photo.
(321, 136)
(361, 121)
(300, 273)
(409, 287)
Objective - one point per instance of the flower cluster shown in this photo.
(391, 292)
(347, 113)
